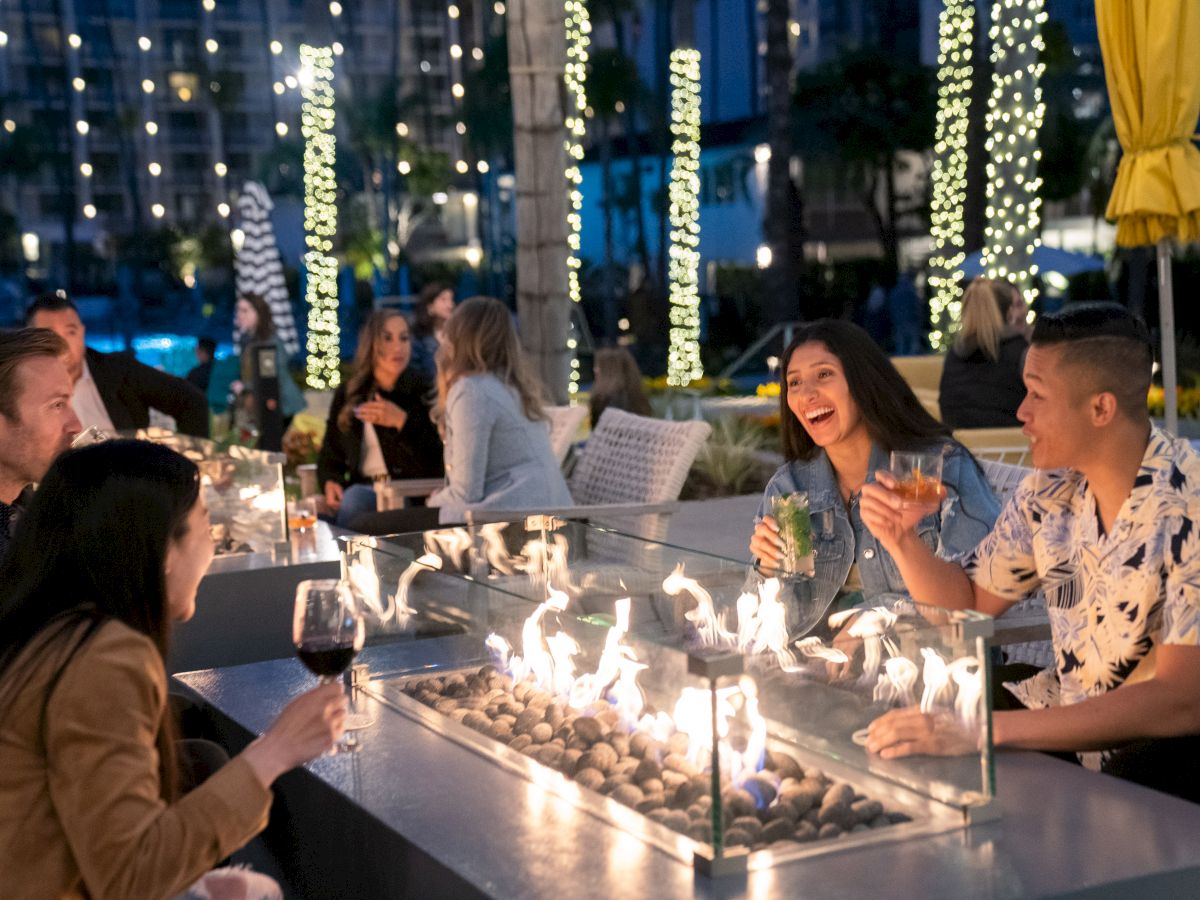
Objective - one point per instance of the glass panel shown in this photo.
(600, 638)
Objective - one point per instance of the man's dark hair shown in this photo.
(1106, 343)
(16, 347)
(208, 345)
(50, 301)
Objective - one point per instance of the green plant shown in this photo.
(732, 462)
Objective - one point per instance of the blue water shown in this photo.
(174, 353)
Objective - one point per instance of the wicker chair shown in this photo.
(565, 423)
(1028, 616)
(629, 473)
(1006, 445)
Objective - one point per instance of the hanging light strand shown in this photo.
(683, 357)
(1015, 113)
(320, 216)
(947, 225)
(579, 28)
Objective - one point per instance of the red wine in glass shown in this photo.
(325, 657)
(328, 631)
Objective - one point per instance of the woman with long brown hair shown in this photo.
(617, 383)
(90, 785)
(379, 426)
(981, 383)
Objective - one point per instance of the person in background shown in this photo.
(434, 306)
(904, 310)
(113, 391)
(37, 422)
(1106, 529)
(379, 425)
(843, 408)
(90, 784)
(618, 383)
(981, 383)
(201, 374)
(489, 407)
(233, 377)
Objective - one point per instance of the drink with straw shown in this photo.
(918, 478)
(795, 528)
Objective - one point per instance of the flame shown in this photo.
(693, 716)
(968, 676)
(814, 649)
(710, 630)
(936, 675)
(494, 551)
(871, 628)
(404, 612)
(450, 542)
(896, 683)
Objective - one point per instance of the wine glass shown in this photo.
(328, 631)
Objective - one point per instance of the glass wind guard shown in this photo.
(630, 724)
(243, 489)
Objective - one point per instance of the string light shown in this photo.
(281, 129)
(85, 169)
(148, 86)
(211, 45)
(1015, 112)
(683, 357)
(78, 83)
(82, 126)
(320, 217)
(947, 225)
(89, 210)
(579, 27)
(404, 167)
(155, 169)
(144, 43)
(276, 48)
(152, 128)
(158, 210)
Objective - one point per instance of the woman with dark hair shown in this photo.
(982, 383)
(434, 305)
(843, 409)
(379, 424)
(618, 383)
(235, 378)
(89, 784)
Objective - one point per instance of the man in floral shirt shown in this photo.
(1107, 530)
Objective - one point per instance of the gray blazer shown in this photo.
(495, 457)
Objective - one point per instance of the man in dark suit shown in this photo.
(113, 390)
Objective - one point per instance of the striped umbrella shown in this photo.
(258, 267)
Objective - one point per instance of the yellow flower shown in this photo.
(770, 389)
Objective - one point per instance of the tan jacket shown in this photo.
(80, 811)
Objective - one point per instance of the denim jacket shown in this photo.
(840, 538)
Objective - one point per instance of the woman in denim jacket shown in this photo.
(844, 407)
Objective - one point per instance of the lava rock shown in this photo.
(612, 782)
(538, 700)
(554, 715)
(865, 810)
(647, 769)
(761, 786)
(802, 798)
(696, 811)
(601, 756)
(687, 793)
(589, 729)
(477, 720)
(699, 831)
(898, 818)
(736, 837)
(750, 825)
(783, 765)
(520, 742)
(526, 720)
(531, 750)
(657, 815)
(589, 778)
(777, 830)
(609, 717)
(559, 742)
(643, 746)
(541, 732)
(677, 763)
(838, 793)
(652, 785)
(813, 818)
(501, 731)
(677, 820)
(446, 706)
(620, 742)
(627, 765)
(677, 743)
(511, 708)
(651, 801)
(628, 794)
(804, 833)
(836, 813)
(570, 760)
(521, 691)
(859, 827)
(782, 811)
(880, 821)
(737, 802)
(673, 779)
(487, 670)
(459, 714)
(829, 830)
(575, 742)
(549, 755)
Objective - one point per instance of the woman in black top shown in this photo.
(379, 424)
(981, 382)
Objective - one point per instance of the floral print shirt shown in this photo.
(1111, 598)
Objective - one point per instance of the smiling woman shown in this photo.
(844, 408)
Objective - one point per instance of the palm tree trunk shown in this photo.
(537, 51)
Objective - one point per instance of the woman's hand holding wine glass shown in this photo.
(328, 630)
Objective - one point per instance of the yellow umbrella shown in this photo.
(1151, 54)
